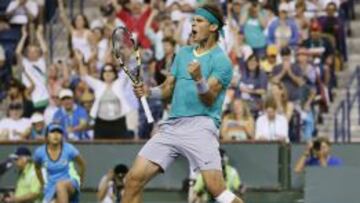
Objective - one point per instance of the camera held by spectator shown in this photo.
(112, 184)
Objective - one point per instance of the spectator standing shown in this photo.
(134, 14)
(110, 105)
(302, 20)
(34, 64)
(57, 78)
(283, 31)
(254, 23)
(22, 12)
(80, 34)
(166, 30)
(271, 126)
(333, 26)
(72, 117)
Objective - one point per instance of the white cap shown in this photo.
(247, 52)
(284, 7)
(2, 54)
(36, 118)
(96, 24)
(176, 15)
(65, 93)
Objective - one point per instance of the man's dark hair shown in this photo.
(217, 12)
(285, 51)
(120, 169)
(331, 4)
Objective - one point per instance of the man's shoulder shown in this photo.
(185, 49)
(58, 112)
(79, 110)
(221, 58)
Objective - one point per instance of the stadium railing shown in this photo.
(342, 128)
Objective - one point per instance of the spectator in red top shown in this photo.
(134, 14)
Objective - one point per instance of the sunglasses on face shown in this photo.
(16, 107)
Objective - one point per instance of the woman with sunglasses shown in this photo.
(56, 157)
(111, 103)
(14, 126)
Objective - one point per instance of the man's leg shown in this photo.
(140, 173)
(215, 184)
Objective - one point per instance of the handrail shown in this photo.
(343, 130)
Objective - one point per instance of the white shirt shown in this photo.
(276, 129)
(49, 113)
(14, 127)
(99, 88)
(38, 76)
(110, 190)
(19, 17)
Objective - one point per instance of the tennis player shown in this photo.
(196, 86)
(55, 156)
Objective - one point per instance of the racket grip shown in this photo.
(147, 111)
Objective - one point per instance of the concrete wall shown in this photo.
(257, 164)
(332, 185)
(261, 165)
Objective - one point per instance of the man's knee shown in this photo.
(134, 181)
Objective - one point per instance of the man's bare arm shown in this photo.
(209, 97)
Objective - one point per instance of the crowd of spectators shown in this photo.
(284, 54)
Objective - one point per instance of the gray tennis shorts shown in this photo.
(195, 138)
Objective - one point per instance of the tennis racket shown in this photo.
(124, 46)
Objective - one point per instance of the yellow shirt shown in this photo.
(27, 182)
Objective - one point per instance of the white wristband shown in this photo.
(202, 86)
(155, 93)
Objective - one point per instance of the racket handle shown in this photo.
(147, 111)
